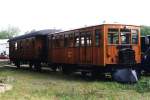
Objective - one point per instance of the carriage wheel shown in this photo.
(37, 66)
(66, 70)
(17, 63)
(30, 65)
(84, 74)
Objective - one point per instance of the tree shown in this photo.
(145, 30)
(9, 32)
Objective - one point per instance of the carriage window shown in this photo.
(69, 40)
(77, 41)
(53, 41)
(33, 42)
(56, 41)
(50, 41)
(16, 45)
(88, 39)
(66, 40)
(85, 39)
(27, 44)
(97, 37)
(57, 44)
(61, 41)
(113, 36)
(82, 41)
(20, 45)
(125, 36)
(134, 36)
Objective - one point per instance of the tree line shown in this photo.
(145, 30)
(9, 32)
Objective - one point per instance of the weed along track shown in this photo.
(28, 84)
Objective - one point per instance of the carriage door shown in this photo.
(112, 48)
(85, 48)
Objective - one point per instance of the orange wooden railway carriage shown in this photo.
(97, 49)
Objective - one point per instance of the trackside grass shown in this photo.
(47, 85)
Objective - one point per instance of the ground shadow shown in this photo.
(58, 74)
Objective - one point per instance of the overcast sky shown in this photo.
(69, 14)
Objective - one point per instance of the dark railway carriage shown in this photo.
(145, 47)
(145, 43)
(29, 48)
(97, 49)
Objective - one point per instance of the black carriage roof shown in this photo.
(32, 34)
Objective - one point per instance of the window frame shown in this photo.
(85, 36)
(126, 33)
(69, 40)
(77, 39)
(97, 36)
(137, 35)
(113, 34)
